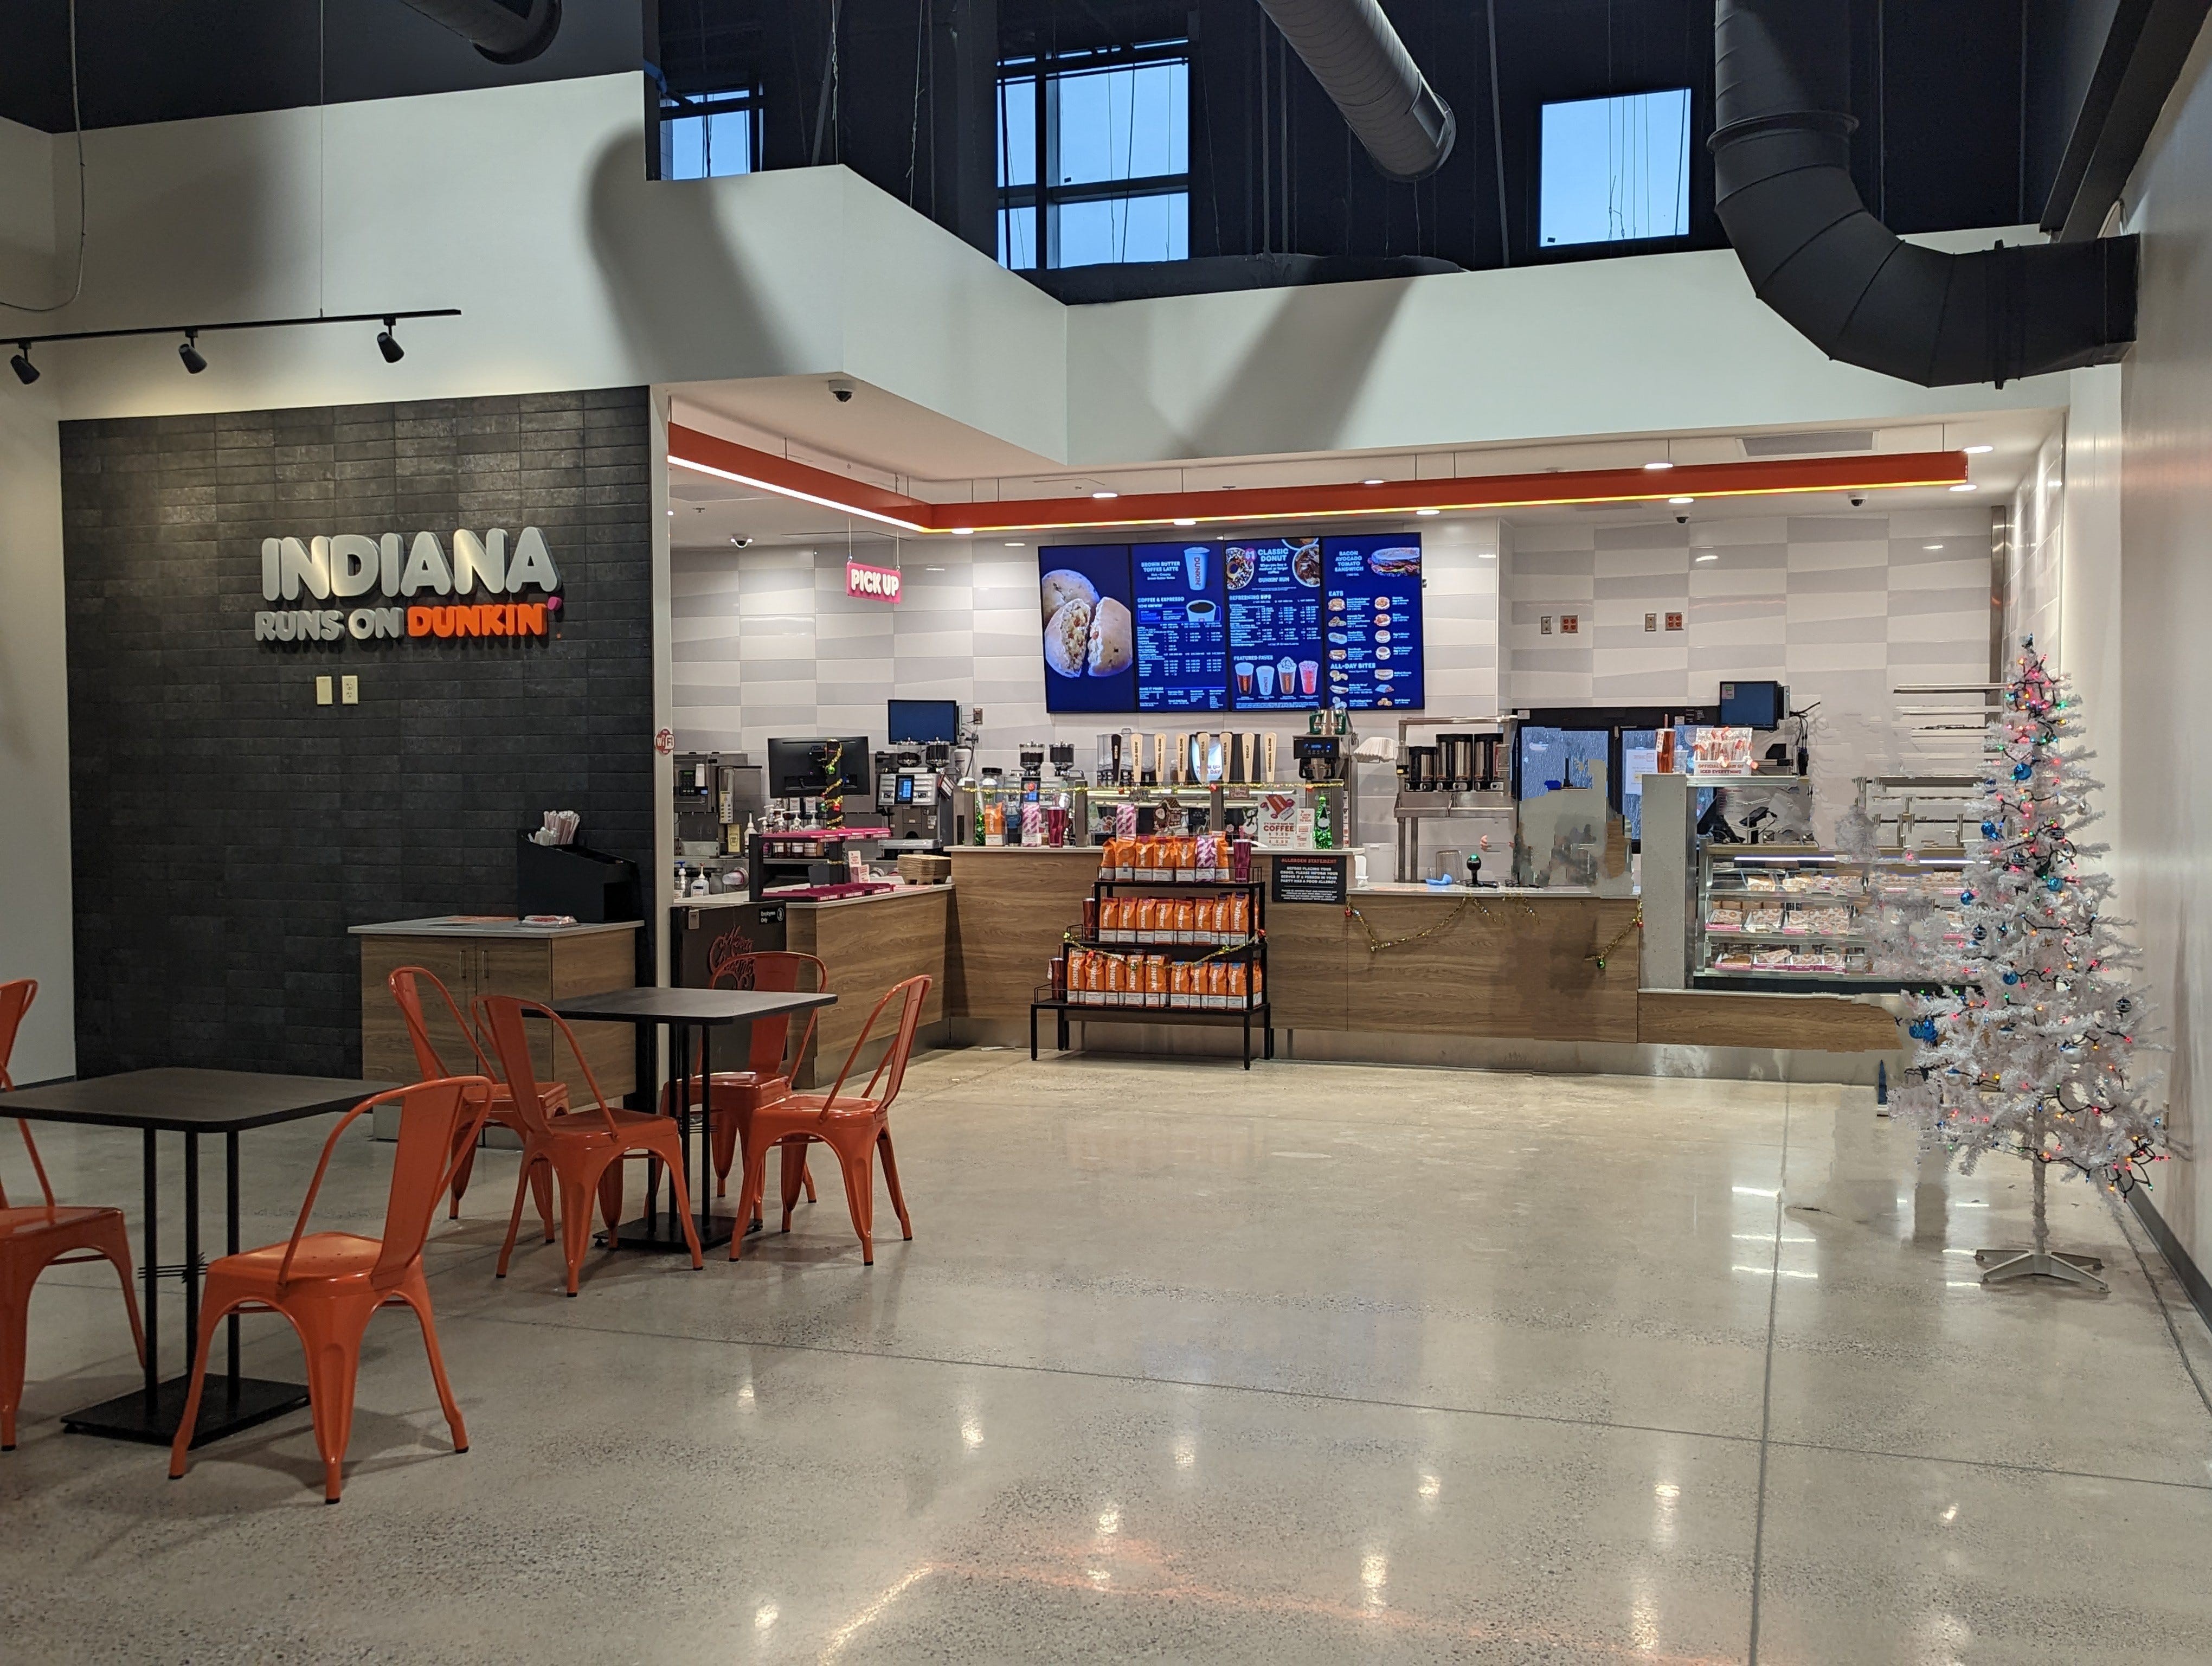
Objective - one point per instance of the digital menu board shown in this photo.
(1090, 634)
(1373, 636)
(1275, 624)
(1181, 633)
(1279, 624)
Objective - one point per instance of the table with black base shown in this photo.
(191, 1103)
(682, 1011)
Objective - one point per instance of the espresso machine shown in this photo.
(914, 797)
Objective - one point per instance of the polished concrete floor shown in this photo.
(1320, 1363)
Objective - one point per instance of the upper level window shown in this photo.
(1094, 158)
(1616, 169)
(705, 135)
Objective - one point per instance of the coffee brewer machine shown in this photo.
(915, 799)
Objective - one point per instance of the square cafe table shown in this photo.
(682, 1011)
(191, 1103)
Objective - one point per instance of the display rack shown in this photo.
(1251, 952)
(1785, 918)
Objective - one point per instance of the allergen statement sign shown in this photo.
(1308, 879)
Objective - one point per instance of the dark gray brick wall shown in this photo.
(227, 829)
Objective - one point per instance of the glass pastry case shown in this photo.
(1782, 917)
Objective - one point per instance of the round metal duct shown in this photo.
(504, 31)
(1367, 72)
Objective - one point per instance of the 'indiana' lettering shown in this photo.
(351, 564)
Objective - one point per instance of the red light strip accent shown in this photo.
(747, 465)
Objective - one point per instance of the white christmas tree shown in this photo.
(2032, 1050)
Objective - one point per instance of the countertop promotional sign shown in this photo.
(1276, 624)
(395, 572)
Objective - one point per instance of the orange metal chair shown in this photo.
(330, 1284)
(33, 1239)
(856, 1129)
(734, 1095)
(583, 1149)
(408, 997)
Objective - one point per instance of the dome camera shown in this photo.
(1681, 520)
(1858, 499)
(841, 391)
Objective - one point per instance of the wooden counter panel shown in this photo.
(536, 968)
(868, 947)
(1521, 971)
(1308, 951)
(1009, 914)
(1719, 1018)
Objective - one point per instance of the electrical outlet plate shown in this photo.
(349, 690)
(322, 691)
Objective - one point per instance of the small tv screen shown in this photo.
(1751, 705)
(922, 722)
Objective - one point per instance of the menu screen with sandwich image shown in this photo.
(1275, 624)
(1089, 630)
(1372, 631)
(1182, 636)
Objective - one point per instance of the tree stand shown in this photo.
(2042, 1261)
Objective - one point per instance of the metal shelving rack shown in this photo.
(1252, 954)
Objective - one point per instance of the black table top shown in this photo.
(190, 1101)
(707, 1007)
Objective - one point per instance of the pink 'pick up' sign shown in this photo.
(875, 584)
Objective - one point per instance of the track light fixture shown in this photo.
(188, 352)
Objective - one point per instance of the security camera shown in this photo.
(1681, 520)
(741, 542)
(1859, 501)
(841, 391)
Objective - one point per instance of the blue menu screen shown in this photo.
(1373, 620)
(1181, 632)
(1089, 636)
(1275, 624)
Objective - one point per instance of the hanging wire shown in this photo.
(77, 116)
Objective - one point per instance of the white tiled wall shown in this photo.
(1841, 608)
(2035, 575)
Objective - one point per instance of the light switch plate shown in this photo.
(322, 691)
(349, 690)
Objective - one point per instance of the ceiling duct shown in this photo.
(1782, 182)
(1360, 63)
(504, 31)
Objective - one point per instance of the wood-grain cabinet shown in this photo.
(495, 958)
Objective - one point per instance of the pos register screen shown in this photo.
(1285, 624)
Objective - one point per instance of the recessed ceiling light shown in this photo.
(1428, 511)
(1371, 483)
(963, 532)
(1965, 486)
(1656, 467)
(1103, 496)
(672, 512)
(1709, 555)
(1931, 546)
(932, 570)
(1016, 544)
(1186, 523)
(1681, 500)
(1978, 451)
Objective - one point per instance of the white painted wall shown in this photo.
(2164, 676)
(35, 931)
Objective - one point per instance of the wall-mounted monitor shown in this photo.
(1089, 630)
(1182, 630)
(1285, 624)
(1372, 631)
(923, 722)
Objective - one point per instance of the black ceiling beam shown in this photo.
(2143, 58)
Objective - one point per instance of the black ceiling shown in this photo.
(168, 60)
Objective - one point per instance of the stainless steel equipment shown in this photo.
(1458, 776)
